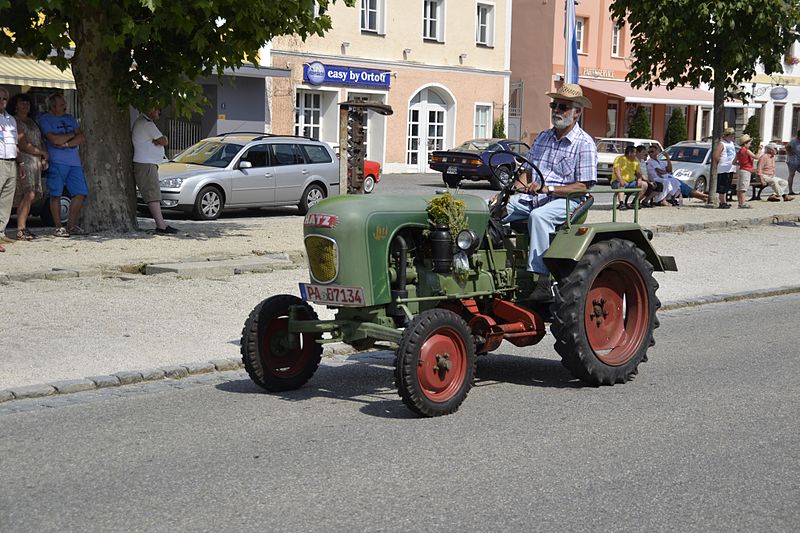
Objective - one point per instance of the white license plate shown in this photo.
(452, 170)
(335, 294)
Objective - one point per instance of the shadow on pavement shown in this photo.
(368, 379)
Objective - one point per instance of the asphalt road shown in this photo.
(704, 439)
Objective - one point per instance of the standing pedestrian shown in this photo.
(8, 164)
(32, 157)
(723, 156)
(793, 160)
(148, 152)
(744, 157)
(64, 135)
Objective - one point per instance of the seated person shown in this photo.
(765, 176)
(661, 172)
(567, 158)
(627, 175)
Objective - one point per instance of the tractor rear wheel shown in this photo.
(604, 313)
(435, 363)
(275, 359)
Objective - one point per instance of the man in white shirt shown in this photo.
(148, 152)
(8, 164)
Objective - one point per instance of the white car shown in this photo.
(609, 148)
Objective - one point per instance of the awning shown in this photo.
(250, 70)
(26, 71)
(658, 95)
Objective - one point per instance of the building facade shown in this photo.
(779, 98)
(604, 58)
(442, 65)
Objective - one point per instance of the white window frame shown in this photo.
(580, 29)
(379, 8)
(300, 123)
(487, 25)
(433, 19)
(616, 39)
(480, 109)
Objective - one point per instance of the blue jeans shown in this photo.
(542, 221)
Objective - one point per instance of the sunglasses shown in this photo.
(561, 106)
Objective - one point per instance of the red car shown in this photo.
(372, 175)
(372, 171)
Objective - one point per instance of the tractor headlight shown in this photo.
(467, 240)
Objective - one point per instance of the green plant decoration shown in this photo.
(640, 125)
(446, 210)
(676, 128)
(752, 129)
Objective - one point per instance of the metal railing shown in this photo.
(181, 134)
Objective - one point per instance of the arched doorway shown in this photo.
(430, 126)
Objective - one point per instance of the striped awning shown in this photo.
(26, 71)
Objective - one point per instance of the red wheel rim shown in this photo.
(284, 354)
(442, 364)
(617, 313)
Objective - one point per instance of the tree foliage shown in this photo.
(676, 128)
(752, 129)
(717, 42)
(640, 125)
(499, 128)
(157, 49)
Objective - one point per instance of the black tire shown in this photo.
(435, 363)
(311, 197)
(47, 217)
(270, 361)
(500, 179)
(700, 184)
(208, 204)
(604, 313)
(451, 181)
(369, 184)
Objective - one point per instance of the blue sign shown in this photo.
(317, 73)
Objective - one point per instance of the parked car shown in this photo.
(470, 160)
(372, 171)
(609, 148)
(691, 163)
(239, 170)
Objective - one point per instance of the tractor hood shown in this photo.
(347, 238)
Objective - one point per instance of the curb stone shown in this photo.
(68, 386)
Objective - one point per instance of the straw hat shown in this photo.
(745, 138)
(573, 93)
(728, 131)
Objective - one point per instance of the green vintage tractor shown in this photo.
(443, 299)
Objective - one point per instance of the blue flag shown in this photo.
(571, 45)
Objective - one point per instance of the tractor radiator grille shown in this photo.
(323, 258)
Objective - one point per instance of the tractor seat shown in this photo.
(578, 216)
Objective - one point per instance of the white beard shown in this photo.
(563, 121)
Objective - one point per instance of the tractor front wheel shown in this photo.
(435, 363)
(276, 359)
(604, 313)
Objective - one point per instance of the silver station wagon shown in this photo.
(239, 170)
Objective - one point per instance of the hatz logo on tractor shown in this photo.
(318, 220)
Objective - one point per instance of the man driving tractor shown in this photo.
(567, 158)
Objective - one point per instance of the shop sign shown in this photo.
(779, 93)
(598, 72)
(317, 73)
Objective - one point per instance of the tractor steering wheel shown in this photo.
(498, 204)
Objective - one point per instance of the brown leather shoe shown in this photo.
(787, 198)
(773, 198)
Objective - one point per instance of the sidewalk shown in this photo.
(276, 241)
(123, 327)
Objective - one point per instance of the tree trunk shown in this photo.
(107, 153)
(716, 132)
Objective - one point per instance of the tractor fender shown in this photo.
(568, 245)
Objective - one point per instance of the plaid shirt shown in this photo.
(571, 159)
